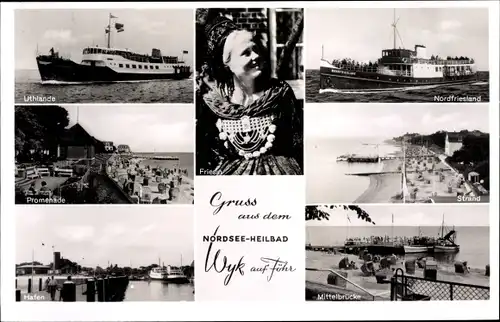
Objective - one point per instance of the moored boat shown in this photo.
(415, 249)
(175, 275)
(447, 241)
(397, 68)
(157, 273)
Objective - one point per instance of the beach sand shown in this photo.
(384, 188)
(324, 260)
(183, 193)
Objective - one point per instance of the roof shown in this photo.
(32, 266)
(77, 135)
(473, 173)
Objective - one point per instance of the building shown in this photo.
(57, 260)
(453, 143)
(76, 144)
(27, 269)
(108, 146)
(123, 148)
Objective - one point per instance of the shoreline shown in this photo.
(380, 188)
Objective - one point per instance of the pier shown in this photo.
(89, 289)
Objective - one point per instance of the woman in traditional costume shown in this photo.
(247, 122)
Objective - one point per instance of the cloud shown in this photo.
(390, 121)
(63, 36)
(450, 24)
(447, 37)
(72, 233)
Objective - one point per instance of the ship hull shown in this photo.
(415, 249)
(64, 70)
(445, 249)
(176, 280)
(355, 80)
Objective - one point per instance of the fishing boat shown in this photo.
(396, 68)
(111, 64)
(447, 241)
(420, 244)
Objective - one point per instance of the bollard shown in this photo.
(68, 291)
(107, 290)
(100, 290)
(90, 290)
(29, 285)
(487, 273)
(40, 283)
(18, 295)
(410, 267)
(333, 279)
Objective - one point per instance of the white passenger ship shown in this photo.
(112, 64)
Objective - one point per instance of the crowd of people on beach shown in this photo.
(167, 179)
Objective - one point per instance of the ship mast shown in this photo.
(394, 29)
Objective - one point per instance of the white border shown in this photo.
(216, 310)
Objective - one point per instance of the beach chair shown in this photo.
(147, 195)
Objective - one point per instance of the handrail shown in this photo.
(342, 277)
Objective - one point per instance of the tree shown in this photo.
(38, 129)
(320, 213)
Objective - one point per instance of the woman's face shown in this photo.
(244, 55)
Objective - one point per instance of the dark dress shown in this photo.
(275, 149)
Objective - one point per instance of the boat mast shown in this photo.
(109, 31)
(394, 29)
(322, 51)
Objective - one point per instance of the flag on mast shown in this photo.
(119, 27)
(112, 17)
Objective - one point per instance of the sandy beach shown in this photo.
(383, 187)
(323, 260)
(158, 181)
(427, 177)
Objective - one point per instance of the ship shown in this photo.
(398, 68)
(420, 244)
(157, 273)
(175, 275)
(446, 242)
(105, 65)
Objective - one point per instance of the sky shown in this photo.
(145, 128)
(361, 34)
(390, 120)
(70, 30)
(412, 215)
(94, 235)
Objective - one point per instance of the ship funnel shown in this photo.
(420, 51)
(156, 53)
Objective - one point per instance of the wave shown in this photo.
(382, 90)
(54, 82)
(480, 83)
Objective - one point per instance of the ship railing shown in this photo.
(345, 279)
(351, 67)
(411, 288)
(442, 61)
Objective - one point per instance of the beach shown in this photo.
(152, 181)
(428, 176)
